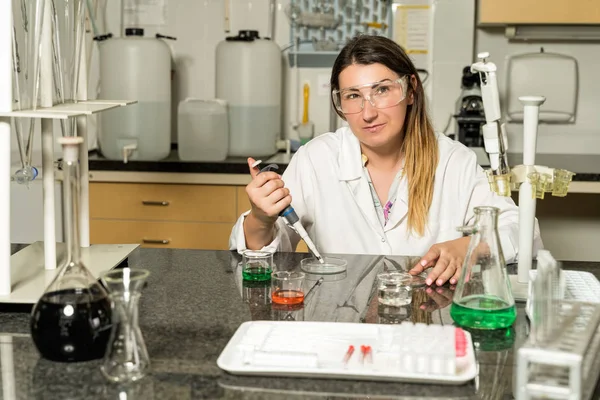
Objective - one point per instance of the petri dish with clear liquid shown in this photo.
(330, 266)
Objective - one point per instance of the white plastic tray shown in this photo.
(316, 350)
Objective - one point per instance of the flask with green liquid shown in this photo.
(483, 297)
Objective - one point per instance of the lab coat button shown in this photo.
(382, 239)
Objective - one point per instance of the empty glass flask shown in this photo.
(126, 358)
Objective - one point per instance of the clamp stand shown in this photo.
(532, 181)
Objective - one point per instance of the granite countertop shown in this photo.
(195, 300)
(586, 167)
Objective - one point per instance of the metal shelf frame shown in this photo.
(47, 112)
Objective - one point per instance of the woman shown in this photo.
(386, 184)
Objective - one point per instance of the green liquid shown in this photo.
(257, 274)
(483, 312)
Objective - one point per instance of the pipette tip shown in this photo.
(320, 259)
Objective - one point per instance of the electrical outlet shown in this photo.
(323, 85)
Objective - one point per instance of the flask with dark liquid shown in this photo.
(71, 321)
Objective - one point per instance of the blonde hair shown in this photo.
(419, 145)
(420, 150)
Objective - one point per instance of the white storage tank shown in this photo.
(202, 130)
(136, 68)
(248, 77)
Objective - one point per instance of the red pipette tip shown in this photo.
(460, 342)
(348, 354)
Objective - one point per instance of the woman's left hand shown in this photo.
(446, 258)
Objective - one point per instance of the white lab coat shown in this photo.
(332, 198)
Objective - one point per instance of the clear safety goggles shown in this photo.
(383, 94)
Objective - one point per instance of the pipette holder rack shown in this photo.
(567, 365)
(24, 275)
(319, 28)
(543, 179)
(532, 181)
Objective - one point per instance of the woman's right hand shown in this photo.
(267, 194)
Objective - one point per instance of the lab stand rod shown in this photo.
(527, 200)
(5, 279)
(84, 184)
(7, 364)
(531, 107)
(48, 194)
(46, 88)
(82, 131)
(5, 105)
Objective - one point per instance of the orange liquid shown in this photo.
(290, 297)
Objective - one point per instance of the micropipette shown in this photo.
(292, 218)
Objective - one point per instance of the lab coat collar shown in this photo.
(350, 167)
(349, 158)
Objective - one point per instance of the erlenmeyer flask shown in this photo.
(72, 319)
(483, 297)
(126, 359)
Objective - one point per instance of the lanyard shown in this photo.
(383, 211)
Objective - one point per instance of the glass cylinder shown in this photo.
(257, 265)
(27, 22)
(72, 319)
(483, 297)
(126, 359)
(28, 17)
(68, 18)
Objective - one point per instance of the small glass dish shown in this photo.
(394, 288)
(330, 266)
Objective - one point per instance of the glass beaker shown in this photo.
(483, 297)
(287, 287)
(393, 315)
(257, 265)
(126, 359)
(72, 319)
(394, 289)
(283, 312)
(257, 294)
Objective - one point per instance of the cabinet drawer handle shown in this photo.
(155, 203)
(156, 241)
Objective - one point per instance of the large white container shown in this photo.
(202, 130)
(248, 77)
(136, 68)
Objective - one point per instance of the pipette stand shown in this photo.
(527, 198)
(532, 181)
(25, 275)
